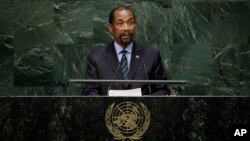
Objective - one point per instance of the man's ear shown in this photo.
(110, 27)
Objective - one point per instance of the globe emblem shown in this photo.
(127, 117)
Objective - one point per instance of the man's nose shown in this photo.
(125, 26)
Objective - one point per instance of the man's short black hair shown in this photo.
(112, 12)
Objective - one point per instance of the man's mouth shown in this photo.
(126, 36)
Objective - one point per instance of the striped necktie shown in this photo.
(124, 64)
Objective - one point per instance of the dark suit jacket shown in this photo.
(102, 63)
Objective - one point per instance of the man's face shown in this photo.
(123, 27)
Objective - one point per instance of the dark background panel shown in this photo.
(74, 118)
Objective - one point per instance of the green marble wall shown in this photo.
(43, 43)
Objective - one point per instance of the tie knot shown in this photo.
(124, 51)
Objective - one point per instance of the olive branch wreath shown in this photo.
(118, 135)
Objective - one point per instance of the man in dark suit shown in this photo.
(124, 59)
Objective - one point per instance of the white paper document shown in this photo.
(130, 92)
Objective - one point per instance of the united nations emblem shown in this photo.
(127, 120)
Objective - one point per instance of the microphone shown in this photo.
(149, 88)
(114, 76)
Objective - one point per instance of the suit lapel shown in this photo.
(135, 60)
(111, 58)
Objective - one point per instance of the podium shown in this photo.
(171, 83)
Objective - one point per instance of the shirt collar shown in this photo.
(118, 48)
